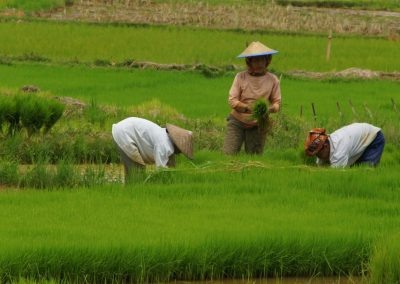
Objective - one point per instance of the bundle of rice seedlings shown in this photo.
(10, 109)
(3, 109)
(34, 113)
(55, 111)
(260, 113)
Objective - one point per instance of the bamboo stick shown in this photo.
(394, 105)
(368, 111)
(352, 108)
(339, 110)
(314, 112)
(328, 48)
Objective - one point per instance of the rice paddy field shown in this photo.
(66, 42)
(67, 216)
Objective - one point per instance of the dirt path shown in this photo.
(236, 16)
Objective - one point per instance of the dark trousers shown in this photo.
(373, 153)
(237, 134)
(133, 171)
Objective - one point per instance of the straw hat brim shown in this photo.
(182, 138)
(257, 54)
(256, 48)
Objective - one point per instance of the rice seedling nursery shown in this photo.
(67, 214)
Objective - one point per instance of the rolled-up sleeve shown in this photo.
(275, 97)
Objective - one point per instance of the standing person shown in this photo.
(249, 86)
(354, 144)
(142, 142)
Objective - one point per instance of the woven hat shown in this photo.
(182, 138)
(315, 141)
(256, 48)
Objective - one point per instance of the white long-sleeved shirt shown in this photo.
(348, 143)
(151, 140)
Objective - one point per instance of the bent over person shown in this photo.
(354, 144)
(142, 142)
(249, 86)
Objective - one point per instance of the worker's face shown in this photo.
(176, 150)
(258, 64)
(325, 151)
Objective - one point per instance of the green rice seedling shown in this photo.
(34, 113)
(65, 176)
(9, 174)
(285, 131)
(93, 176)
(260, 113)
(384, 266)
(94, 114)
(202, 224)
(56, 110)
(65, 42)
(3, 109)
(12, 113)
(38, 176)
(135, 89)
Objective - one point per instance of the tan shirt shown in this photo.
(246, 89)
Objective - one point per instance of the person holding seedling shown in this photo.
(142, 142)
(248, 96)
(354, 144)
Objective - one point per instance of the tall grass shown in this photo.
(88, 43)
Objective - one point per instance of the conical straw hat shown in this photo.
(256, 48)
(182, 138)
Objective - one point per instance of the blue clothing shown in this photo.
(373, 153)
